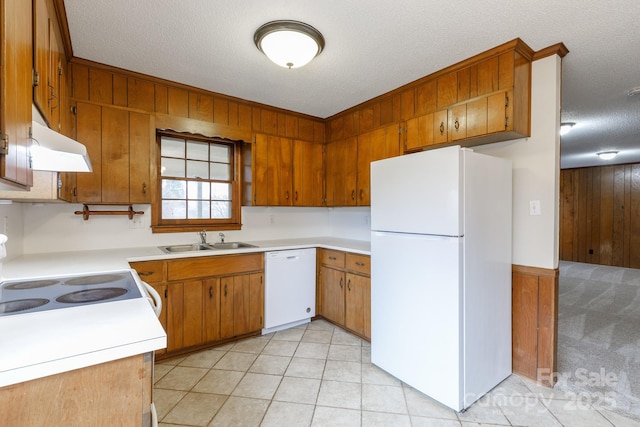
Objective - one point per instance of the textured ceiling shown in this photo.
(374, 47)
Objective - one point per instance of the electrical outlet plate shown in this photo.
(534, 207)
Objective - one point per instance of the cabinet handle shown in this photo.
(210, 292)
(341, 283)
(360, 264)
(441, 128)
(166, 293)
(286, 196)
(361, 194)
(353, 194)
(456, 124)
(349, 285)
(332, 258)
(225, 289)
(296, 195)
(144, 188)
(145, 273)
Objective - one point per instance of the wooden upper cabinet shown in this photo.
(307, 173)
(272, 171)
(16, 93)
(119, 143)
(341, 172)
(379, 144)
(141, 145)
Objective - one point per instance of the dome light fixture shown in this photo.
(607, 155)
(565, 127)
(290, 44)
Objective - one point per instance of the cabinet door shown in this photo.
(332, 294)
(241, 304)
(476, 117)
(89, 132)
(192, 313)
(256, 301)
(458, 122)
(341, 172)
(307, 173)
(440, 127)
(41, 56)
(115, 155)
(141, 140)
(175, 316)
(226, 307)
(498, 113)
(419, 132)
(211, 309)
(279, 169)
(358, 304)
(15, 92)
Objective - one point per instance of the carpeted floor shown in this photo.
(599, 335)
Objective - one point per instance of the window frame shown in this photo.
(160, 225)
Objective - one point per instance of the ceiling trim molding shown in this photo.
(557, 49)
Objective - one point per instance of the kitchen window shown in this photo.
(198, 184)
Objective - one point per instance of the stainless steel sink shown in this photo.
(171, 249)
(186, 248)
(232, 245)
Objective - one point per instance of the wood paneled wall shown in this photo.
(174, 103)
(535, 323)
(600, 215)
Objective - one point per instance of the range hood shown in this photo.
(52, 151)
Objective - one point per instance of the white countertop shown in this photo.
(50, 342)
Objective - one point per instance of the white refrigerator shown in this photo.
(441, 272)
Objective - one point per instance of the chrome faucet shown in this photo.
(203, 236)
(221, 237)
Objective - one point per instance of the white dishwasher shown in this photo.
(290, 288)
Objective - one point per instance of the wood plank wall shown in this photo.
(600, 215)
(192, 109)
(535, 323)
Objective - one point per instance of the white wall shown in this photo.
(536, 169)
(12, 225)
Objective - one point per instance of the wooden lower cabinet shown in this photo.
(344, 290)
(332, 294)
(216, 298)
(241, 304)
(358, 304)
(116, 393)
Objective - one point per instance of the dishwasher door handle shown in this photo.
(293, 257)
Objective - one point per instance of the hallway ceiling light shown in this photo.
(607, 155)
(290, 44)
(566, 127)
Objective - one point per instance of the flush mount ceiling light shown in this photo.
(290, 44)
(566, 127)
(607, 155)
(634, 91)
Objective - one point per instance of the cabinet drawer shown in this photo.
(150, 271)
(210, 266)
(332, 258)
(359, 263)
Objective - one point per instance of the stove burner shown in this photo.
(98, 279)
(21, 304)
(91, 295)
(32, 284)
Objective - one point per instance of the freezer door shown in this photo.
(418, 193)
(416, 312)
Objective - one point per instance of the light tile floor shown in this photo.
(319, 375)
